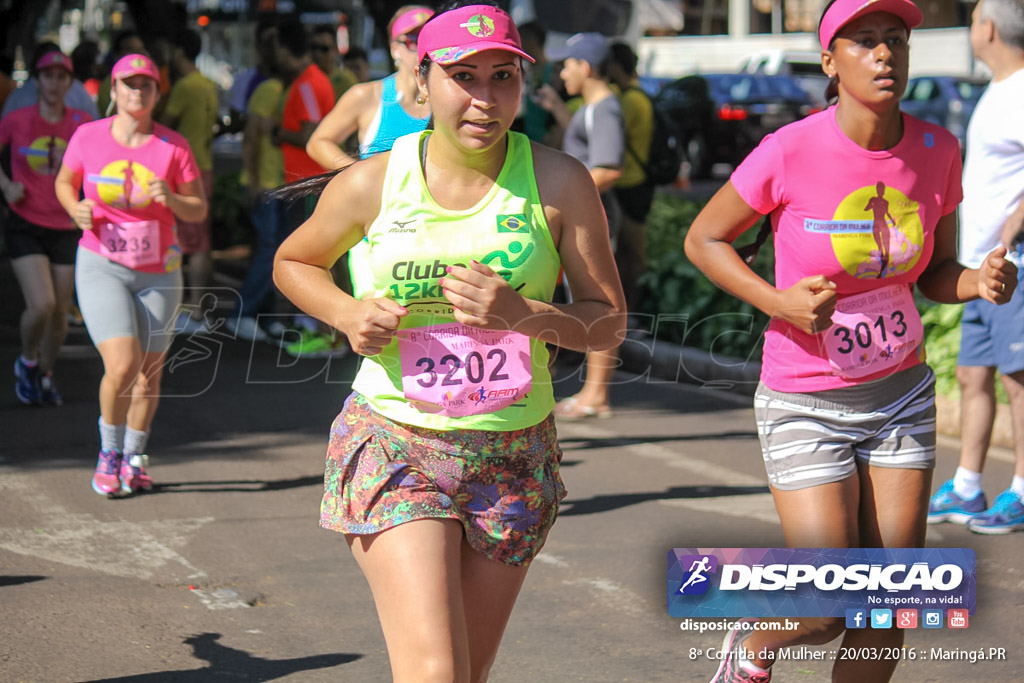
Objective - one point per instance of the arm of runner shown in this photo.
(67, 185)
(324, 145)
(302, 265)
(595, 320)
(808, 305)
(605, 177)
(297, 138)
(188, 203)
(13, 192)
(255, 128)
(947, 281)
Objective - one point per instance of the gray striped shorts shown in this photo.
(815, 438)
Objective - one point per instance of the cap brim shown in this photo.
(909, 13)
(446, 56)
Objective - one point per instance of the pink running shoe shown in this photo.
(105, 481)
(133, 474)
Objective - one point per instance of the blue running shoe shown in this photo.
(946, 506)
(26, 388)
(1005, 515)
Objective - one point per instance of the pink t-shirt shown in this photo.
(864, 219)
(117, 179)
(37, 147)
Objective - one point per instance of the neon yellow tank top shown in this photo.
(411, 242)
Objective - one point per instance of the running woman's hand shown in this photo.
(374, 326)
(14, 192)
(808, 305)
(997, 277)
(83, 214)
(159, 190)
(482, 298)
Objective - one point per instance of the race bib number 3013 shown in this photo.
(873, 331)
(457, 370)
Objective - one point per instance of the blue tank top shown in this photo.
(390, 122)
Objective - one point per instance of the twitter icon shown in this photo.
(881, 618)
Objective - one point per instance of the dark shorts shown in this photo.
(25, 239)
(504, 487)
(993, 336)
(636, 202)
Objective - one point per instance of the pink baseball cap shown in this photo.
(54, 59)
(842, 12)
(410, 20)
(135, 65)
(452, 36)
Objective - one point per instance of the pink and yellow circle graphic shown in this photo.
(480, 25)
(124, 184)
(890, 237)
(45, 154)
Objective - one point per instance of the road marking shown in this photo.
(222, 598)
(614, 596)
(759, 506)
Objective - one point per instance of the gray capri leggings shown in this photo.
(117, 301)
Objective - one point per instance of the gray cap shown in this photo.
(589, 47)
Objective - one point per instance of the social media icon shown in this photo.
(906, 618)
(957, 618)
(881, 618)
(932, 618)
(856, 618)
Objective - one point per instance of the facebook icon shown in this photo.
(856, 618)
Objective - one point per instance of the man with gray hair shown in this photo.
(992, 213)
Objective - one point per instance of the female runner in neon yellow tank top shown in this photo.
(442, 468)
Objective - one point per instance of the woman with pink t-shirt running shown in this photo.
(138, 178)
(40, 237)
(845, 409)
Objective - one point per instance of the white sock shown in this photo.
(966, 484)
(135, 441)
(111, 436)
(1018, 486)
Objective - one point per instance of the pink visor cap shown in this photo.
(410, 20)
(844, 11)
(454, 35)
(54, 59)
(135, 65)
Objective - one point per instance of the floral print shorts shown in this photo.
(503, 486)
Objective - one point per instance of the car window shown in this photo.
(922, 91)
(741, 88)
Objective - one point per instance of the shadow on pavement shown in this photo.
(229, 663)
(622, 441)
(18, 580)
(240, 485)
(606, 503)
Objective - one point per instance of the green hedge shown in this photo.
(720, 323)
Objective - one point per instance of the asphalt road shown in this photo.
(222, 573)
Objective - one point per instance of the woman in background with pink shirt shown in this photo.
(845, 409)
(138, 177)
(40, 237)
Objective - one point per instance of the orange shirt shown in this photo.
(309, 98)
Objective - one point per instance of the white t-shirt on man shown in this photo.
(994, 170)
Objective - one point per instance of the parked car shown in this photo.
(722, 117)
(946, 100)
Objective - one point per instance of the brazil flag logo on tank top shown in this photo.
(513, 223)
(876, 232)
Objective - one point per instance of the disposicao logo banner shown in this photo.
(816, 582)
